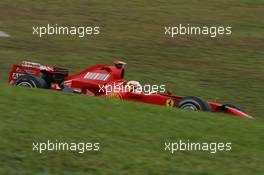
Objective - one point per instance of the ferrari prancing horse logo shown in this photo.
(169, 102)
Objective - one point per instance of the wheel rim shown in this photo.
(25, 84)
(189, 106)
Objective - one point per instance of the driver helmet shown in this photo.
(134, 86)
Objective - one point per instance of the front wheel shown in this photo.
(194, 104)
(31, 82)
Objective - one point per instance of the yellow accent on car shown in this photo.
(115, 96)
(169, 102)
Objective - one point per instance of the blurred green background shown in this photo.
(223, 69)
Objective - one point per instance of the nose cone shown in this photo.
(238, 113)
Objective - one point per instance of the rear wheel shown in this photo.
(194, 104)
(31, 82)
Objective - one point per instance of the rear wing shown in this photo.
(33, 69)
(20, 70)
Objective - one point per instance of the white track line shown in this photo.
(3, 34)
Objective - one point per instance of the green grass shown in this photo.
(132, 137)
(226, 69)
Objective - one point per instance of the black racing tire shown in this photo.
(30, 81)
(234, 106)
(194, 103)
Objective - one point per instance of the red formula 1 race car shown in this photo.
(108, 81)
